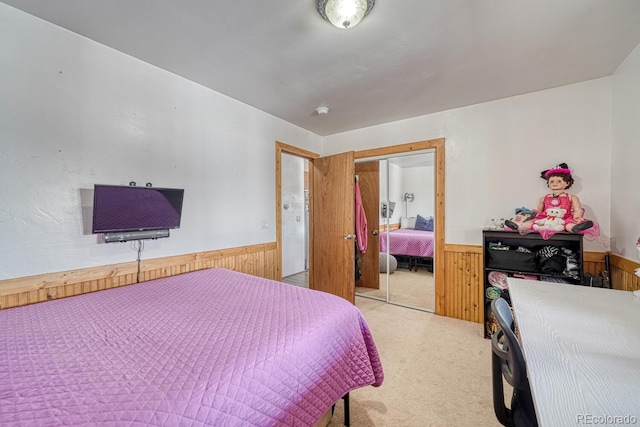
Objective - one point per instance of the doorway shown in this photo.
(295, 219)
(337, 278)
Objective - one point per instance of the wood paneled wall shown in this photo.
(259, 260)
(463, 283)
(464, 280)
(393, 226)
(622, 274)
(463, 291)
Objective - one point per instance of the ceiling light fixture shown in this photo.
(344, 13)
(322, 110)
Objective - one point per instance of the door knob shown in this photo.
(349, 236)
(375, 232)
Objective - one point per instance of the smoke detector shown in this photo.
(322, 110)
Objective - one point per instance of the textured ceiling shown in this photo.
(407, 58)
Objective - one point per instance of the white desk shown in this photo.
(582, 349)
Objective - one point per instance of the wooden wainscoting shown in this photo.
(258, 260)
(463, 289)
(622, 274)
(593, 262)
(463, 283)
(393, 226)
(464, 280)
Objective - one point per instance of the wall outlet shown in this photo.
(265, 224)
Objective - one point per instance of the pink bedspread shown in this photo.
(208, 348)
(407, 241)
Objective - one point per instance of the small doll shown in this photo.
(558, 180)
(521, 215)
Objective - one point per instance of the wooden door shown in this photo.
(332, 225)
(369, 179)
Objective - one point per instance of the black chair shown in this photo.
(507, 360)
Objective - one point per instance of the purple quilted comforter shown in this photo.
(208, 348)
(407, 241)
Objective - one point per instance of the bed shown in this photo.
(412, 248)
(407, 241)
(208, 348)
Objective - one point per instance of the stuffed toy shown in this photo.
(521, 216)
(553, 220)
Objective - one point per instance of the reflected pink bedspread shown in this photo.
(212, 347)
(407, 241)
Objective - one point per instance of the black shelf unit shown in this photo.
(527, 265)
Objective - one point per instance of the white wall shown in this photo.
(294, 227)
(496, 150)
(74, 113)
(625, 172)
(395, 190)
(419, 180)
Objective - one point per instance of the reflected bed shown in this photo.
(409, 242)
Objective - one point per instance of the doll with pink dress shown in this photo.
(558, 210)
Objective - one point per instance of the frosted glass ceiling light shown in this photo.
(344, 13)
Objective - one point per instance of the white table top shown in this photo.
(582, 349)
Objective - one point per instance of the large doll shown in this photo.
(558, 210)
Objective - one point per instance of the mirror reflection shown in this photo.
(403, 230)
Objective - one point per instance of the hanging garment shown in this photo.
(361, 221)
(357, 269)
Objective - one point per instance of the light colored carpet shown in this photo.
(414, 288)
(437, 371)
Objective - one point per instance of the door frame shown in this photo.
(438, 145)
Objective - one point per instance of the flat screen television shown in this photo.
(129, 208)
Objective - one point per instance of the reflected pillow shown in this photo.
(408, 222)
(424, 224)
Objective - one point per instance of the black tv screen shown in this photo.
(128, 208)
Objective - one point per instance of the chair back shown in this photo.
(506, 346)
(508, 361)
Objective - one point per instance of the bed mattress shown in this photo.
(208, 348)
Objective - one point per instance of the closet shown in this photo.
(385, 182)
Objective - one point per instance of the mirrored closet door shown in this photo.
(401, 228)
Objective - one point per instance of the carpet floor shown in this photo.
(437, 371)
(413, 288)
